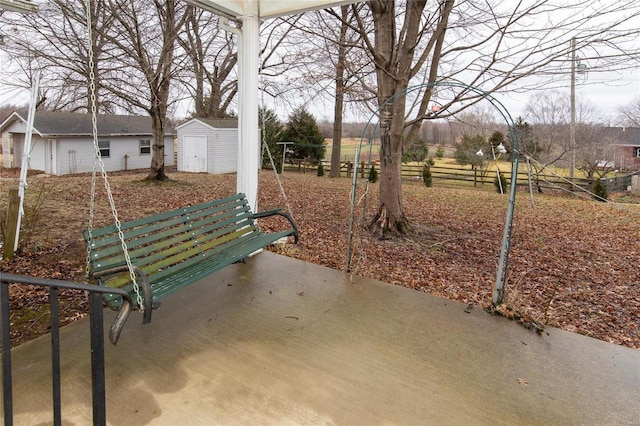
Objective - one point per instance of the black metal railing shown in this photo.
(96, 325)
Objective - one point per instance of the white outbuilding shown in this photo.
(208, 146)
(62, 142)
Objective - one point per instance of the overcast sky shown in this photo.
(605, 91)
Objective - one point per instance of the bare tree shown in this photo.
(629, 114)
(209, 74)
(491, 45)
(394, 53)
(549, 113)
(593, 152)
(145, 34)
(53, 42)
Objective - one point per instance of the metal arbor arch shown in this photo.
(503, 263)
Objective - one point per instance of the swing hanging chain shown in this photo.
(273, 166)
(266, 146)
(98, 159)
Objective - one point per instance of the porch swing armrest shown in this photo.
(125, 309)
(279, 212)
(127, 303)
(120, 319)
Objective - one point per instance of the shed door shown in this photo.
(50, 161)
(195, 154)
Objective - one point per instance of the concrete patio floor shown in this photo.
(278, 341)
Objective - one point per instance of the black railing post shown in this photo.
(96, 320)
(7, 393)
(55, 355)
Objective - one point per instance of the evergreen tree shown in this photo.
(417, 151)
(472, 150)
(272, 131)
(427, 178)
(373, 174)
(599, 190)
(496, 139)
(303, 130)
(528, 143)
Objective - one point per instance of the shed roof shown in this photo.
(58, 123)
(219, 123)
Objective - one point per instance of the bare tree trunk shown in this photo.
(339, 103)
(153, 67)
(156, 171)
(390, 221)
(393, 60)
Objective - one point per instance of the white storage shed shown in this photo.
(208, 146)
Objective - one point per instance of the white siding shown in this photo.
(75, 155)
(38, 154)
(223, 152)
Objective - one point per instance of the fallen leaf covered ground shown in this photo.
(573, 263)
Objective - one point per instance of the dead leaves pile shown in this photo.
(573, 262)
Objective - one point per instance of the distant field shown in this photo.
(348, 149)
(350, 145)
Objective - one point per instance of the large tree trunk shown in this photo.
(392, 75)
(156, 171)
(389, 220)
(339, 103)
(160, 83)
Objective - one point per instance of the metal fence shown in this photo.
(96, 325)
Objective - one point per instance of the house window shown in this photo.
(105, 148)
(636, 152)
(145, 146)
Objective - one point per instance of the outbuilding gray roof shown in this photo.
(215, 123)
(57, 123)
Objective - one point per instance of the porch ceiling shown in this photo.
(265, 8)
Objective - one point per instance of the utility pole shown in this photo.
(572, 127)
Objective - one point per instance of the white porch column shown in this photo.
(249, 136)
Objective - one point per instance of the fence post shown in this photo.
(635, 184)
(13, 210)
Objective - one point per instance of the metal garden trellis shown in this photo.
(503, 262)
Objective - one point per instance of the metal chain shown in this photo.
(284, 195)
(98, 158)
(87, 270)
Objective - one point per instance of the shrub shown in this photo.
(503, 182)
(373, 174)
(426, 175)
(440, 152)
(320, 170)
(599, 190)
(417, 151)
